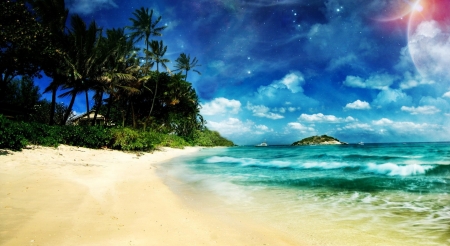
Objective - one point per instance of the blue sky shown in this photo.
(371, 71)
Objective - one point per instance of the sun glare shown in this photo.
(417, 7)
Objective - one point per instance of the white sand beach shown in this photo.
(77, 196)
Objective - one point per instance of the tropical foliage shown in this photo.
(16, 135)
(129, 90)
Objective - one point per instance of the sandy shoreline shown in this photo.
(79, 196)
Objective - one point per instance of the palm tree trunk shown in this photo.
(108, 111)
(134, 116)
(154, 97)
(156, 90)
(127, 116)
(69, 109)
(99, 104)
(87, 105)
(53, 106)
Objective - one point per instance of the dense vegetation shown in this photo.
(16, 135)
(317, 140)
(145, 104)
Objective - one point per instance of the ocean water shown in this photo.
(372, 194)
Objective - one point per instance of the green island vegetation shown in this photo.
(318, 140)
(138, 103)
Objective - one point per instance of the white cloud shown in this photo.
(237, 129)
(221, 105)
(231, 126)
(378, 81)
(421, 110)
(340, 61)
(292, 82)
(363, 126)
(263, 111)
(300, 127)
(405, 126)
(358, 104)
(89, 6)
(293, 109)
(447, 94)
(391, 97)
(410, 81)
(324, 118)
(382, 122)
(262, 128)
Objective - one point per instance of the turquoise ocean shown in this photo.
(394, 193)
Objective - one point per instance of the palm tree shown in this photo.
(81, 59)
(182, 106)
(119, 56)
(158, 50)
(143, 27)
(53, 15)
(183, 62)
(157, 53)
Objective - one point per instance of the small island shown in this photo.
(318, 140)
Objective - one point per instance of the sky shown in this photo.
(282, 70)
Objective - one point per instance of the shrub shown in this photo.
(16, 135)
(210, 138)
(11, 135)
(129, 139)
(85, 136)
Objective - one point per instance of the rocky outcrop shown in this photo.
(318, 140)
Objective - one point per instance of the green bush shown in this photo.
(16, 135)
(11, 135)
(85, 136)
(167, 140)
(210, 138)
(129, 139)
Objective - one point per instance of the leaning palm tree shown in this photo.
(81, 60)
(117, 53)
(183, 62)
(143, 27)
(53, 15)
(156, 54)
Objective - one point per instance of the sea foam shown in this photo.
(392, 169)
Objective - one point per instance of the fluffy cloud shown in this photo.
(221, 105)
(358, 126)
(239, 130)
(292, 82)
(231, 126)
(378, 81)
(421, 110)
(321, 118)
(393, 97)
(405, 126)
(447, 94)
(89, 6)
(383, 121)
(410, 81)
(263, 111)
(300, 127)
(358, 104)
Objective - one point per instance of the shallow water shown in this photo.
(387, 194)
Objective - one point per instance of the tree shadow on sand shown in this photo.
(3, 152)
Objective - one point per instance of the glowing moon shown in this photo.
(429, 39)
